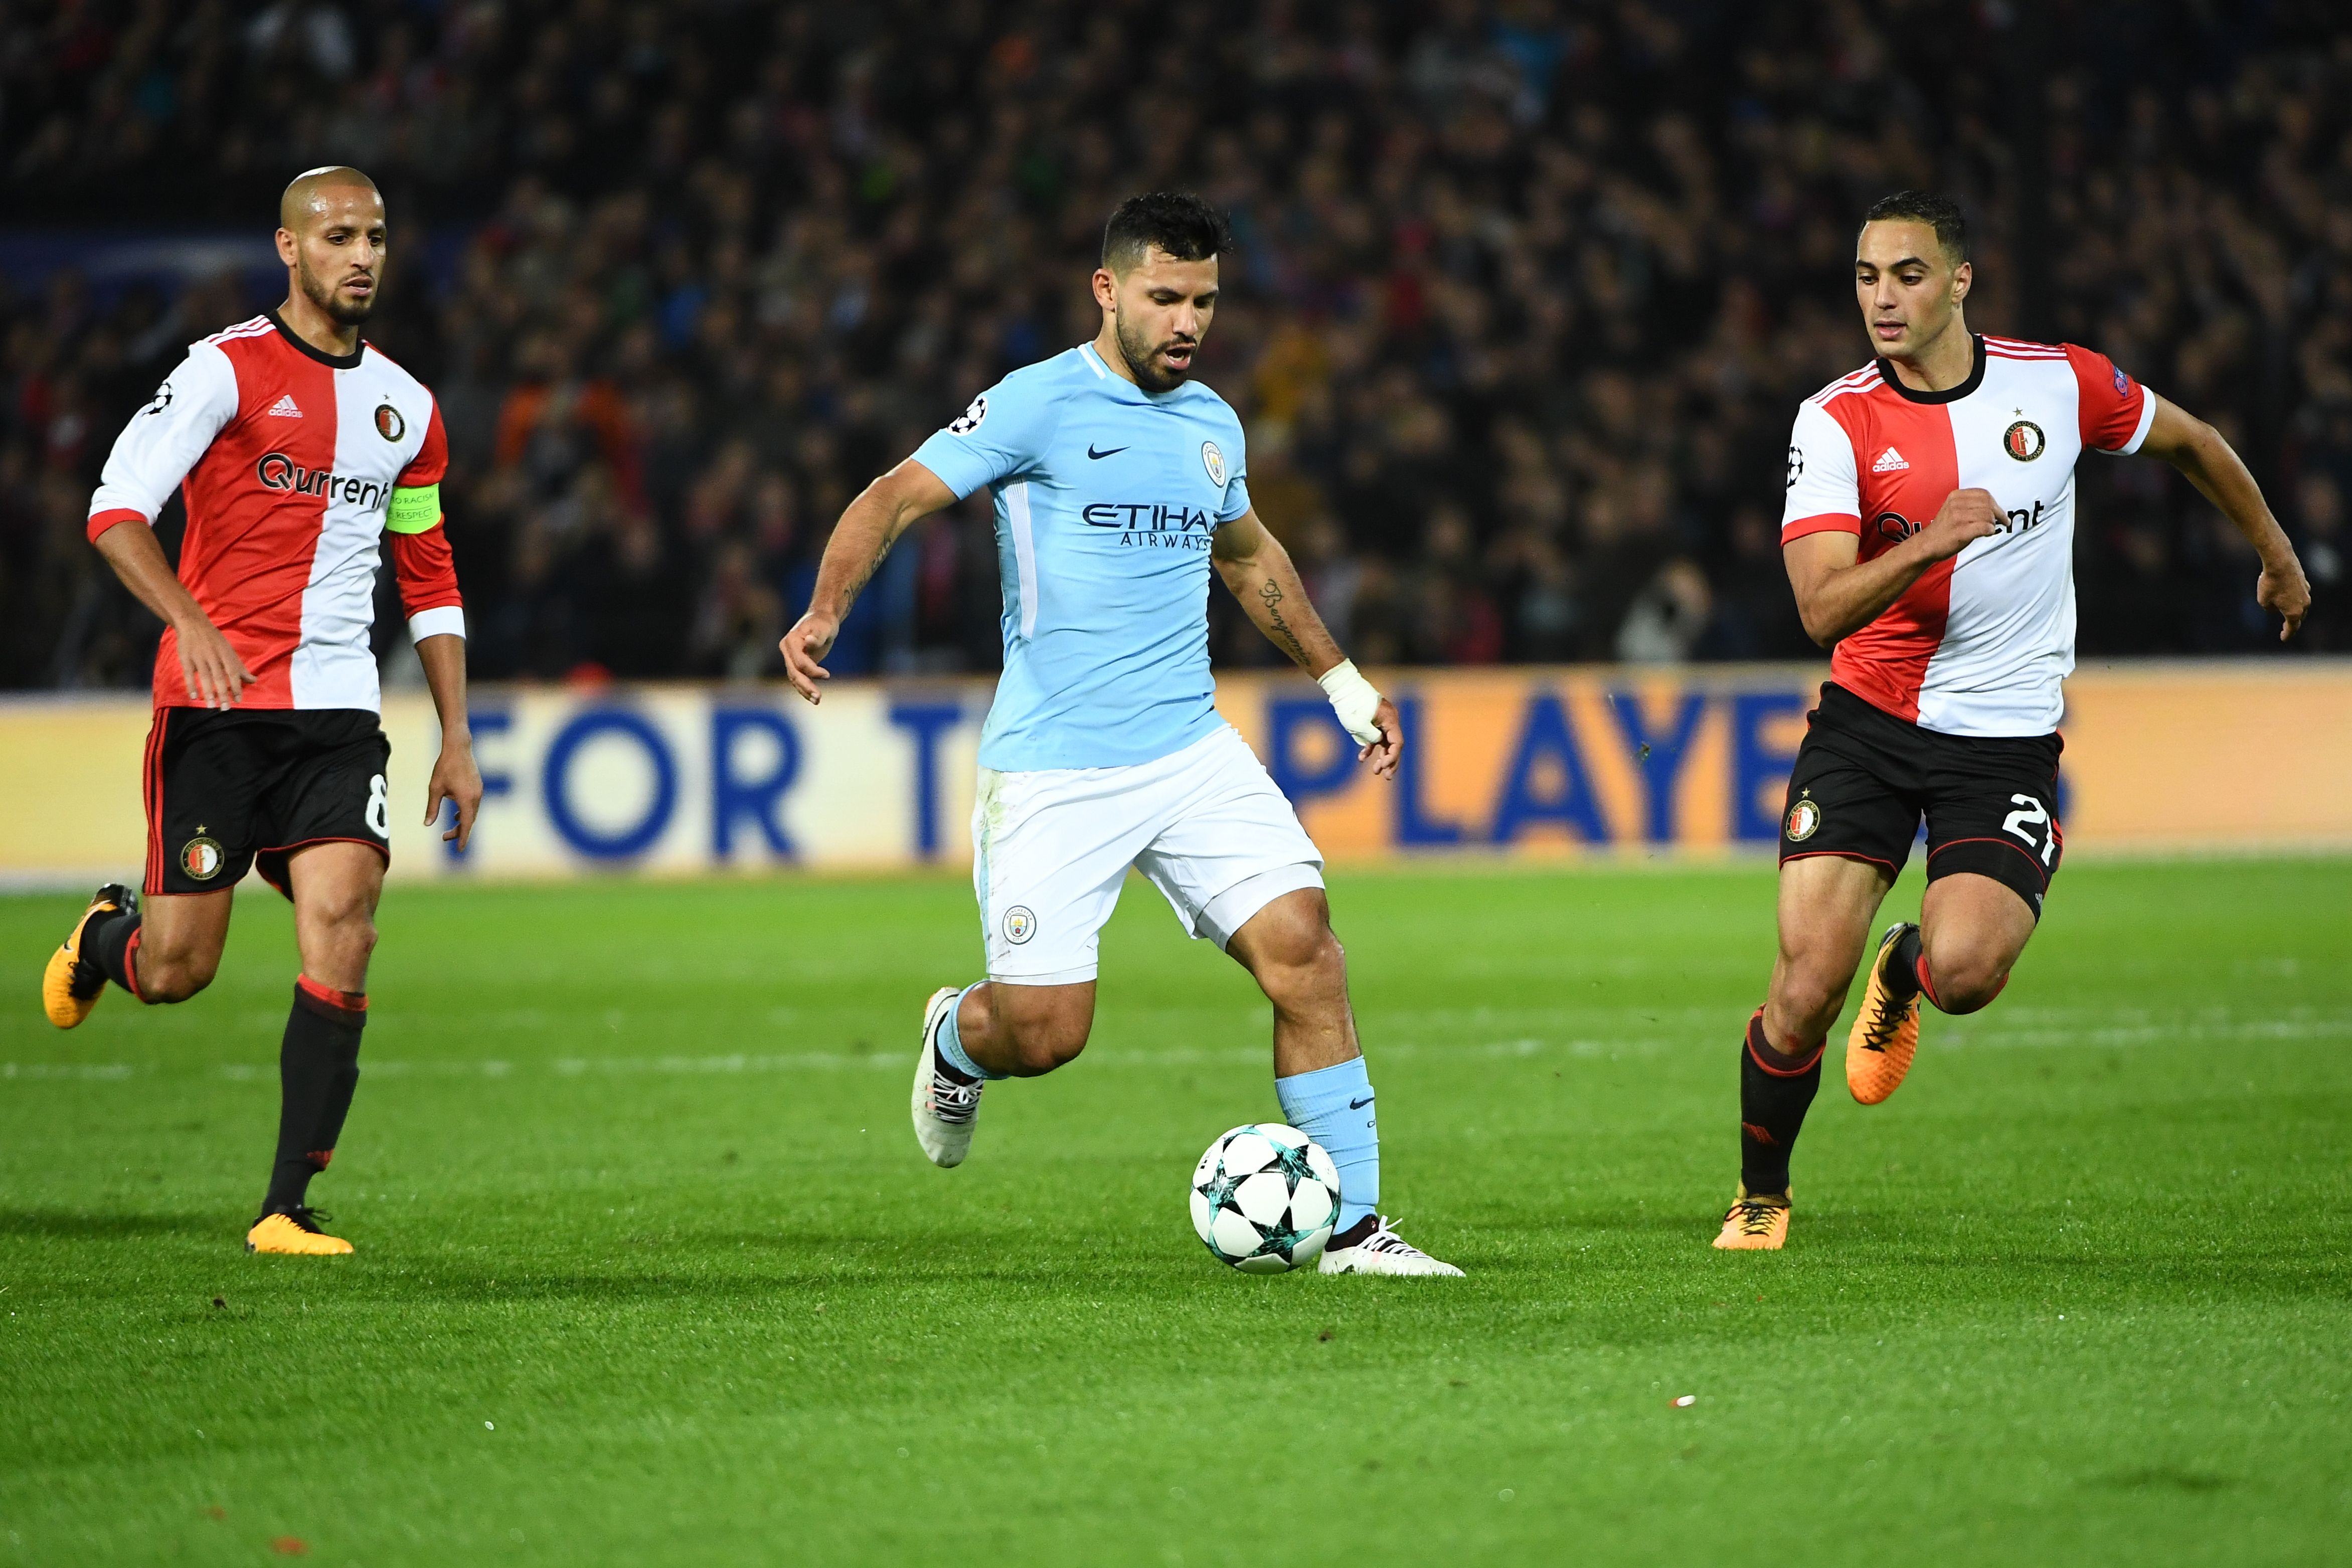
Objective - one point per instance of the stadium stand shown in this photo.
(1526, 294)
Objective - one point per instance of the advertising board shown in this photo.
(1538, 764)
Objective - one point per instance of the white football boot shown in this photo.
(944, 1108)
(1379, 1251)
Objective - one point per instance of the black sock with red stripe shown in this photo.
(109, 940)
(1903, 969)
(318, 1068)
(1773, 1099)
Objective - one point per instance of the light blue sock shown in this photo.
(1333, 1105)
(951, 1041)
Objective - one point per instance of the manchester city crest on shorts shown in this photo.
(202, 857)
(1803, 820)
(969, 420)
(1019, 925)
(388, 423)
(1214, 461)
(2024, 440)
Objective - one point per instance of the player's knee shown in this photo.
(1306, 964)
(1809, 994)
(1966, 981)
(168, 977)
(1041, 1045)
(344, 928)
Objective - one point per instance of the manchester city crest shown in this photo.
(1214, 461)
(1019, 925)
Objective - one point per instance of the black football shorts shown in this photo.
(1863, 779)
(227, 790)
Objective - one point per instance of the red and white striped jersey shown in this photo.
(296, 463)
(1980, 643)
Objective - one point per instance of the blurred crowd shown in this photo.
(1526, 294)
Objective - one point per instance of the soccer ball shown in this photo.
(1263, 1198)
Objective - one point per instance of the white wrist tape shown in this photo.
(1353, 698)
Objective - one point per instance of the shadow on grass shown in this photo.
(2163, 1478)
(69, 1225)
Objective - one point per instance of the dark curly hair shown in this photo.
(1178, 222)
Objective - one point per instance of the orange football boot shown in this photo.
(1758, 1222)
(296, 1232)
(70, 984)
(1885, 1031)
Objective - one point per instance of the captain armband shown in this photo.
(415, 508)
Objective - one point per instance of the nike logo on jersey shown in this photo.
(1112, 453)
(1889, 462)
(285, 408)
(1360, 1104)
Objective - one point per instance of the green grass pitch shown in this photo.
(651, 1271)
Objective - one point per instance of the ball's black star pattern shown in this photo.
(1280, 1239)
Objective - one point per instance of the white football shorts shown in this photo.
(1205, 824)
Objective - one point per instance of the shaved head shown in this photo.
(305, 200)
(331, 235)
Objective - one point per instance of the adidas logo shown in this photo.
(1889, 462)
(285, 408)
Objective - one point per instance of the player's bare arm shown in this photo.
(869, 526)
(456, 775)
(216, 676)
(1838, 594)
(1260, 573)
(2211, 464)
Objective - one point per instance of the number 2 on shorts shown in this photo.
(2034, 814)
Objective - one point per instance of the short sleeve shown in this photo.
(1237, 499)
(164, 439)
(1003, 432)
(1822, 494)
(2116, 410)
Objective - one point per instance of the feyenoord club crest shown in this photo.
(1804, 819)
(2024, 440)
(1214, 461)
(388, 423)
(202, 857)
(1019, 925)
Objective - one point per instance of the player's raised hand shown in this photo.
(1383, 753)
(2283, 590)
(1965, 516)
(810, 640)
(216, 677)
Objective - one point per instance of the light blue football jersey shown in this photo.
(1106, 499)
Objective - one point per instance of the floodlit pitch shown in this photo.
(650, 1270)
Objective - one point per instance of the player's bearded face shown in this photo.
(1163, 312)
(339, 258)
(331, 294)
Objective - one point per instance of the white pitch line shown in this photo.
(1521, 1048)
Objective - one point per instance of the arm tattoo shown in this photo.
(857, 585)
(1269, 594)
